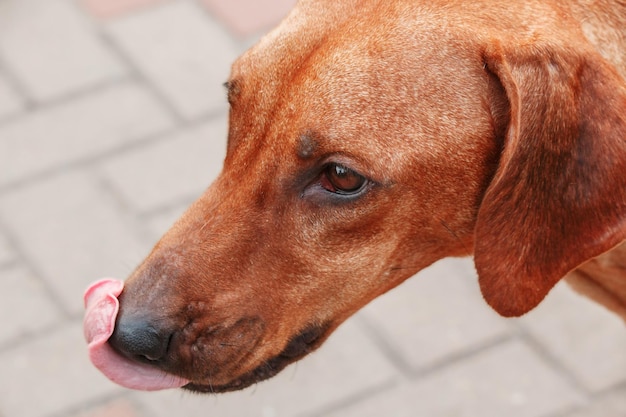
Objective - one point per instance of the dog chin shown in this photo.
(298, 347)
(263, 372)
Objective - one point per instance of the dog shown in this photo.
(367, 140)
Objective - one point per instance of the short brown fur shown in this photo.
(493, 129)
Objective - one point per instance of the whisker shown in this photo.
(453, 233)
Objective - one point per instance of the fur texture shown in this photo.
(493, 129)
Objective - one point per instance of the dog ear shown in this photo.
(558, 197)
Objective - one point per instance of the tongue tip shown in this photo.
(107, 285)
(101, 309)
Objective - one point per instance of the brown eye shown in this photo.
(341, 180)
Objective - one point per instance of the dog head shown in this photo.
(359, 152)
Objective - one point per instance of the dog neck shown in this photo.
(602, 279)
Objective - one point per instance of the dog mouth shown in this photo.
(102, 306)
(299, 346)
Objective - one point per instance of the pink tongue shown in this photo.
(101, 308)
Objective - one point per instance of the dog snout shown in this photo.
(141, 338)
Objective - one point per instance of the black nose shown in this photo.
(140, 339)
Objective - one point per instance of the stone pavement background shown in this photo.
(112, 120)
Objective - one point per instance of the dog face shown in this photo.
(333, 191)
(360, 151)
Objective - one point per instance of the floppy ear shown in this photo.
(558, 197)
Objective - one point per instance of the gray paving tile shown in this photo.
(114, 408)
(247, 17)
(181, 51)
(6, 252)
(508, 380)
(436, 315)
(160, 222)
(178, 167)
(10, 102)
(84, 127)
(49, 375)
(587, 339)
(611, 405)
(346, 365)
(69, 228)
(24, 304)
(51, 49)
(110, 9)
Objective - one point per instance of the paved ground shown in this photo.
(113, 119)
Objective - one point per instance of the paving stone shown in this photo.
(182, 52)
(25, 305)
(10, 102)
(51, 49)
(6, 252)
(178, 167)
(508, 380)
(80, 128)
(436, 315)
(247, 17)
(612, 405)
(112, 8)
(587, 339)
(346, 365)
(73, 233)
(50, 374)
(115, 408)
(160, 222)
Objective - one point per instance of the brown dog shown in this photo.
(368, 139)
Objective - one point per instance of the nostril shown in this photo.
(139, 339)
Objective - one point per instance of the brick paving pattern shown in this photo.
(112, 120)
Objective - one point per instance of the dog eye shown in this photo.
(341, 180)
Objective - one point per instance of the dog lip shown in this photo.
(299, 346)
(264, 371)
